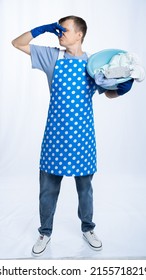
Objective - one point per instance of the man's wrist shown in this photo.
(37, 31)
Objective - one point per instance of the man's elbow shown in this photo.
(14, 43)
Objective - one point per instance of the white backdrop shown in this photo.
(119, 185)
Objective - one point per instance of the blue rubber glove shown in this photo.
(124, 87)
(55, 28)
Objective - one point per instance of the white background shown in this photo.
(119, 185)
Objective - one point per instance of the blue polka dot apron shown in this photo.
(69, 146)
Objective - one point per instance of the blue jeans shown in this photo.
(49, 191)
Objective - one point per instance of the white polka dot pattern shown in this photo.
(69, 146)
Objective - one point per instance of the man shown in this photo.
(69, 146)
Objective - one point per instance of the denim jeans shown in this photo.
(49, 191)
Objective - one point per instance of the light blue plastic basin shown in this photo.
(101, 58)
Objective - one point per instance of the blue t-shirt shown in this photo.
(44, 59)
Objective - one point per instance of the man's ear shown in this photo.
(80, 35)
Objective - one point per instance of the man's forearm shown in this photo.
(111, 94)
(22, 42)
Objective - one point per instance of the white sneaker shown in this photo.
(92, 240)
(40, 246)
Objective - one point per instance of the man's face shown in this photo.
(71, 36)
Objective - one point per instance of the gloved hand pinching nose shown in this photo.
(55, 28)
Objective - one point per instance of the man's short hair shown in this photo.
(80, 24)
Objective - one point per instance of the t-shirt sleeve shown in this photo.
(98, 88)
(43, 58)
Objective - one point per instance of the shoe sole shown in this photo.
(42, 252)
(91, 246)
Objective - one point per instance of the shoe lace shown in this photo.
(40, 239)
(93, 235)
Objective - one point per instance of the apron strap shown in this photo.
(61, 54)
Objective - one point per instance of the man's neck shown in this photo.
(74, 51)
